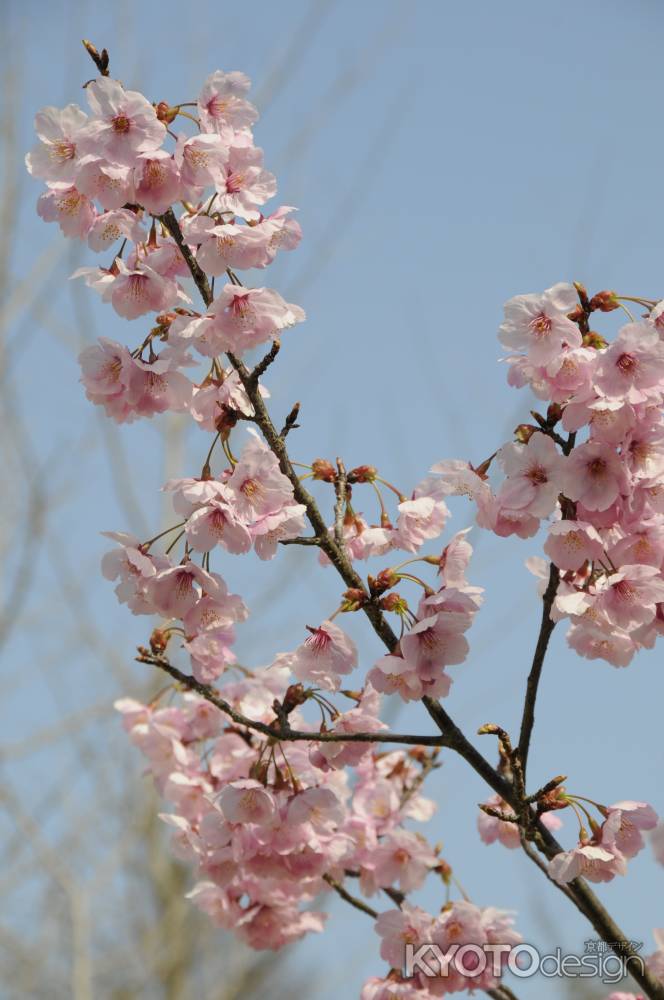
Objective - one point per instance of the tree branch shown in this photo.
(583, 898)
(546, 628)
(277, 732)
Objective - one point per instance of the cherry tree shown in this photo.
(282, 784)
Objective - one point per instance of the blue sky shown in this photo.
(443, 156)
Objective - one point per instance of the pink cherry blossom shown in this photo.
(324, 657)
(401, 859)
(435, 642)
(222, 106)
(631, 596)
(538, 324)
(572, 543)
(397, 928)
(134, 567)
(213, 395)
(591, 861)
(111, 226)
(596, 643)
(419, 520)
(594, 475)
(269, 530)
(217, 523)
(140, 290)
(106, 372)
(624, 823)
(247, 317)
(257, 484)
(54, 159)
(246, 802)
(72, 210)
(632, 364)
(318, 806)
(210, 653)
(157, 182)
(157, 386)
(124, 123)
(244, 185)
(174, 591)
(215, 613)
(201, 159)
(110, 183)
(233, 246)
(534, 472)
(570, 373)
(396, 675)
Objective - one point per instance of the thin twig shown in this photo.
(546, 628)
(275, 732)
(359, 904)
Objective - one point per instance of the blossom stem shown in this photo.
(174, 542)
(146, 545)
(402, 497)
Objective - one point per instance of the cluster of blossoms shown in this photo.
(459, 932)
(604, 854)
(271, 823)
(266, 826)
(110, 181)
(603, 495)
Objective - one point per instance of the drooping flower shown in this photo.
(323, 658)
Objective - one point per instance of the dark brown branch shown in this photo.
(281, 733)
(291, 421)
(359, 904)
(300, 540)
(265, 363)
(546, 628)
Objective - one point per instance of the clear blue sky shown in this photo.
(444, 156)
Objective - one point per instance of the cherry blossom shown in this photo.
(123, 123)
(55, 158)
(222, 105)
(538, 324)
(69, 207)
(157, 182)
(244, 185)
(533, 473)
(324, 657)
(594, 475)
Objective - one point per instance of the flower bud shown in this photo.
(226, 421)
(604, 301)
(159, 641)
(394, 602)
(362, 474)
(385, 580)
(553, 414)
(524, 432)
(595, 340)
(323, 470)
(353, 599)
(295, 696)
(165, 113)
